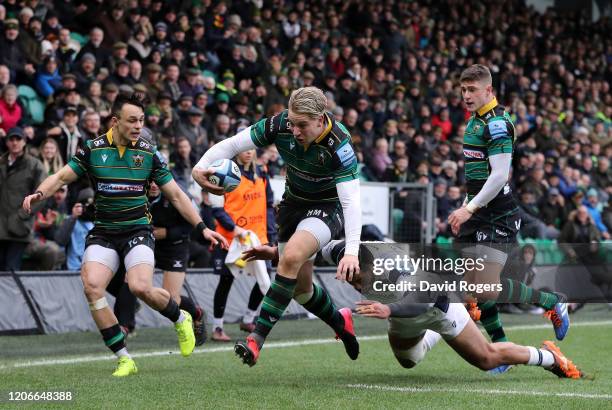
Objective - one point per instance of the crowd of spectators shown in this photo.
(390, 70)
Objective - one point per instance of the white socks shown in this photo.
(540, 357)
(430, 339)
(123, 352)
(249, 316)
(217, 323)
(181, 317)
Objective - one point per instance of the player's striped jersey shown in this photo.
(489, 131)
(120, 177)
(313, 171)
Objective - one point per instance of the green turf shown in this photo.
(314, 376)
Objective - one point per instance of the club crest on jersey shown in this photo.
(330, 142)
(321, 157)
(138, 160)
(476, 127)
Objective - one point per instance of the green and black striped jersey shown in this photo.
(120, 177)
(489, 131)
(313, 171)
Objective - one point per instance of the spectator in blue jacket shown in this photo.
(48, 78)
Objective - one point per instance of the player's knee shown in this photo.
(291, 261)
(93, 290)
(141, 289)
(408, 358)
(406, 363)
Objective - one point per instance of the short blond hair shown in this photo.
(309, 101)
(476, 73)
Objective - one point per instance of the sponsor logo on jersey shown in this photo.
(501, 233)
(112, 188)
(346, 155)
(330, 142)
(481, 236)
(310, 178)
(469, 153)
(321, 158)
(143, 144)
(97, 143)
(272, 124)
(497, 129)
(138, 160)
(314, 212)
(177, 264)
(517, 224)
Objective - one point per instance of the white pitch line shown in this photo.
(478, 391)
(270, 345)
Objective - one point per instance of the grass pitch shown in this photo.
(301, 366)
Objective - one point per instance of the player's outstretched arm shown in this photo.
(350, 199)
(49, 186)
(182, 203)
(228, 148)
(261, 252)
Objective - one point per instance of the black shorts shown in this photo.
(219, 266)
(489, 226)
(291, 213)
(172, 257)
(121, 240)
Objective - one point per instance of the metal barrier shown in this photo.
(404, 212)
(412, 212)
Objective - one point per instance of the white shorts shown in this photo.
(448, 324)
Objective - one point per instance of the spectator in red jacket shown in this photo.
(443, 121)
(10, 111)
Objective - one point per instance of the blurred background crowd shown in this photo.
(390, 71)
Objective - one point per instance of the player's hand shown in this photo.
(201, 177)
(370, 308)
(159, 233)
(457, 218)
(261, 252)
(347, 268)
(29, 200)
(215, 238)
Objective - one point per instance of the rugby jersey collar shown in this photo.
(487, 107)
(326, 130)
(109, 138)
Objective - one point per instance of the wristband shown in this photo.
(41, 194)
(201, 226)
(471, 208)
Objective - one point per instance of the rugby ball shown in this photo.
(226, 174)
